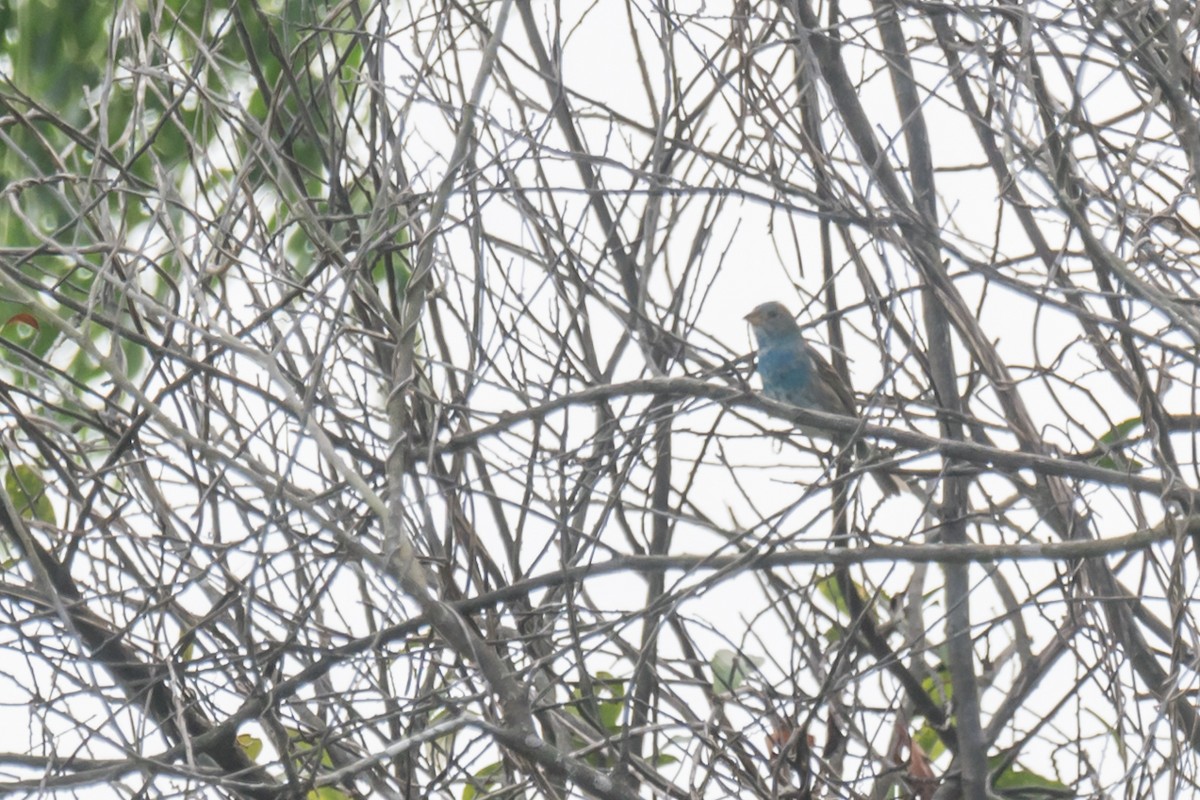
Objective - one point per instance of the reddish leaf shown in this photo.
(920, 773)
(24, 318)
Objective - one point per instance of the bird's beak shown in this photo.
(753, 317)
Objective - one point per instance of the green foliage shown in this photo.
(483, 781)
(930, 743)
(27, 490)
(1112, 444)
(250, 745)
(327, 793)
(304, 751)
(118, 125)
(831, 590)
(938, 686)
(57, 52)
(27, 328)
(603, 708)
(100, 151)
(56, 48)
(1015, 779)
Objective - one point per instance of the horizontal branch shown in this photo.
(971, 452)
(922, 553)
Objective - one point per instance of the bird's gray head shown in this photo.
(772, 321)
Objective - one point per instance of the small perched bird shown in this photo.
(793, 372)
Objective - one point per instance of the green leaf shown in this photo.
(610, 714)
(186, 646)
(938, 685)
(1120, 432)
(301, 745)
(929, 742)
(327, 793)
(1119, 462)
(27, 490)
(1110, 443)
(730, 669)
(250, 745)
(440, 748)
(26, 327)
(609, 697)
(482, 781)
(1015, 778)
(831, 590)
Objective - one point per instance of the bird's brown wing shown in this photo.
(888, 483)
(842, 401)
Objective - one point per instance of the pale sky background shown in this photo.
(750, 258)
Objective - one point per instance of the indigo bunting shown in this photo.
(793, 372)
